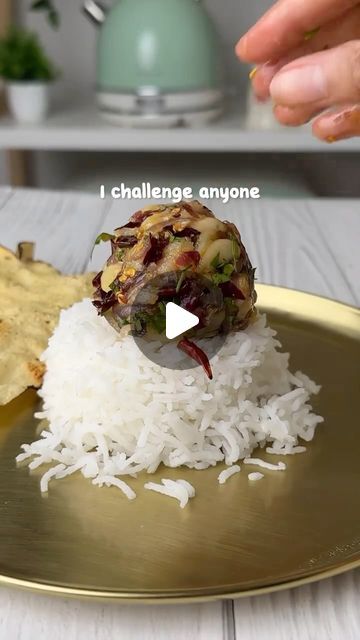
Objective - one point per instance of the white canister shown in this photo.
(28, 102)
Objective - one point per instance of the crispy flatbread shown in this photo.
(32, 295)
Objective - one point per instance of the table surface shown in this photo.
(310, 245)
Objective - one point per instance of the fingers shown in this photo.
(338, 125)
(285, 25)
(336, 32)
(262, 77)
(321, 80)
(330, 126)
(293, 117)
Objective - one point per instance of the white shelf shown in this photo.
(82, 129)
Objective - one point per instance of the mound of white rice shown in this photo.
(112, 413)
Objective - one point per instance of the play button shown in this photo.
(178, 320)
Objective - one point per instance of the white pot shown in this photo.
(28, 101)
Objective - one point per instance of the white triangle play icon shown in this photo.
(178, 320)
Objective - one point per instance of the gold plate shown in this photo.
(236, 539)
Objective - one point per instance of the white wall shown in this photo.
(73, 47)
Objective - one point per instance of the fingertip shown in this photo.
(261, 99)
(292, 117)
(321, 134)
(320, 127)
(260, 89)
(323, 129)
(283, 115)
(239, 48)
(242, 50)
(261, 78)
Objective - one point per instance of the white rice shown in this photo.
(286, 450)
(51, 473)
(111, 481)
(280, 466)
(112, 413)
(227, 473)
(254, 477)
(188, 486)
(179, 489)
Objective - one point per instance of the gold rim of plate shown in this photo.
(286, 530)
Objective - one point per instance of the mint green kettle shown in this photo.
(158, 62)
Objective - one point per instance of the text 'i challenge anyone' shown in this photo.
(146, 191)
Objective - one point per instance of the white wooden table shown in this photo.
(310, 245)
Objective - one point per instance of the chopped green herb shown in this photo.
(138, 325)
(104, 237)
(215, 262)
(231, 306)
(114, 286)
(235, 250)
(119, 254)
(219, 278)
(181, 279)
(174, 238)
(142, 319)
(122, 322)
(157, 319)
(223, 273)
(228, 270)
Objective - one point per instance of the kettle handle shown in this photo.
(96, 11)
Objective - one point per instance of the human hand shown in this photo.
(308, 57)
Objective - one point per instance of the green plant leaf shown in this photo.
(41, 5)
(53, 15)
(22, 58)
(54, 19)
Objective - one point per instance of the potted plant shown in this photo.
(48, 7)
(27, 73)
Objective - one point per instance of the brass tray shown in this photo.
(231, 540)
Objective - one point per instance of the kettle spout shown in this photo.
(95, 11)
